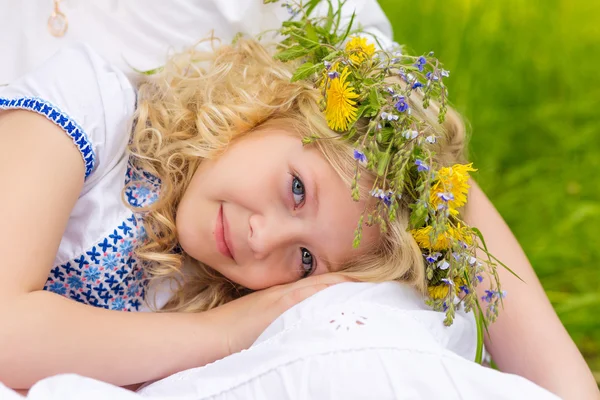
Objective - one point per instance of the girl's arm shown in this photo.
(528, 339)
(44, 334)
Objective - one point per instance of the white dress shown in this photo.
(350, 341)
(93, 103)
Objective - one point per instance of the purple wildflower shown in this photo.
(443, 265)
(465, 289)
(416, 85)
(489, 296)
(360, 156)
(420, 64)
(430, 139)
(446, 196)
(479, 278)
(333, 74)
(401, 105)
(421, 166)
(431, 258)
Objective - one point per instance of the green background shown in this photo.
(526, 77)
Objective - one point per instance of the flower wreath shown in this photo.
(354, 77)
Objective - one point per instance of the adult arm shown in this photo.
(528, 339)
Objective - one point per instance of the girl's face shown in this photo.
(270, 211)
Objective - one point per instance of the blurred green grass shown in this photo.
(525, 76)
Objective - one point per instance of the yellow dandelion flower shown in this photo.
(444, 240)
(359, 50)
(440, 291)
(452, 186)
(341, 107)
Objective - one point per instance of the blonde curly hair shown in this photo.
(203, 100)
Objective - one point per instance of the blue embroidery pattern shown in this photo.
(109, 275)
(61, 119)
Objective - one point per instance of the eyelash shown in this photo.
(303, 251)
(300, 203)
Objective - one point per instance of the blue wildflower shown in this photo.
(447, 281)
(390, 90)
(402, 74)
(465, 289)
(445, 73)
(333, 74)
(420, 64)
(443, 265)
(387, 200)
(410, 134)
(489, 296)
(377, 193)
(401, 105)
(430, 139)
(327, 65)
(431, 258)
(360, 156)
(479, 278)
(421, 166)
(446, 196)
(417, 84)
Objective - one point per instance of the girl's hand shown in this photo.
(243, 320)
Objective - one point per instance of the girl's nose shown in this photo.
(270, 233)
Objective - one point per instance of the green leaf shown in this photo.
(292, 24)
(305, 70)
(330, 15)
(293, 53)
(150, 71)
(311, 6)
(480, 321)
(348, 28)
(374, 99)
(480, 236)
(311, 33)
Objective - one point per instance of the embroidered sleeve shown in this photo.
(90, 100)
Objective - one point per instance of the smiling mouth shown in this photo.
(221, 235)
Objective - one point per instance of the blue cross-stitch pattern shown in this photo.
(108, 274)
(54, 114)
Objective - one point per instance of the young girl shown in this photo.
(288, 216)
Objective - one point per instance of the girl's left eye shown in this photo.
(298, 191)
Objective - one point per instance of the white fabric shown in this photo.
(99, 98)
(140, 33)
(350, 341)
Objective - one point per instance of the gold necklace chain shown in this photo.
(57, 22)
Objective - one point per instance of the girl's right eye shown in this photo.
(308, 263)
(298, 191)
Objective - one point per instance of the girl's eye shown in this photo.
(298, 191)
(308, 264)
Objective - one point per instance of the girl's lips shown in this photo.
(221, 235)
